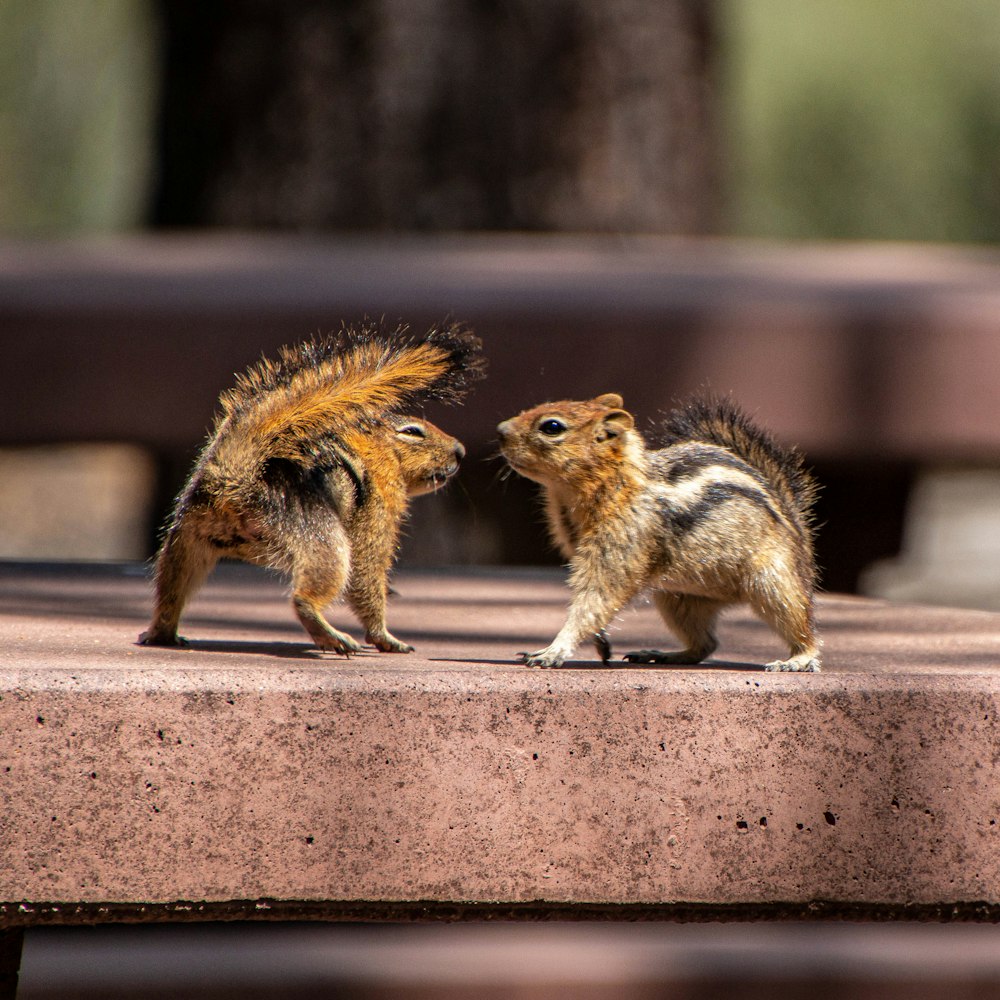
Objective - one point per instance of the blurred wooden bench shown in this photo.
(881, 350)
(878, 360)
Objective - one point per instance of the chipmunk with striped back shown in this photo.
(719, 515)
(309, 470)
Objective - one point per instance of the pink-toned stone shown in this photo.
(246, 767)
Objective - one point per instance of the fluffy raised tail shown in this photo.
(333, 385)
(722, 423)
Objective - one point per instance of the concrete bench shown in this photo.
(247, 778)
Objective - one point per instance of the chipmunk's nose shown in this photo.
(459, 451)
(503, 429)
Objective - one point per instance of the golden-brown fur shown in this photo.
(719, 516)
(309, 470)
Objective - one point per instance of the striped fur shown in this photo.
(720, 515)
(720, 422)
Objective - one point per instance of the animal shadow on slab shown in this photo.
(712, 665)
(280, 650)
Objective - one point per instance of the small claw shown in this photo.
(641, 656)
(532, 660)
(603, 643)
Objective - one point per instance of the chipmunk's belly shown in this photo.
(688, 583)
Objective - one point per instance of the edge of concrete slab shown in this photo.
(14, 915)
(444, 787)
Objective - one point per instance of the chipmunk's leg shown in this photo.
(787, 607)
(369, 585)
(593, 605)
(185, 560)
(367, 596)
(692, 620)
(319, 572)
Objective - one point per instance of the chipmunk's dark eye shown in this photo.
(552, 427)
(412, 430)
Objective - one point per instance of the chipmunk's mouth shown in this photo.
(516, 465)
(433, 481)
(522, 468)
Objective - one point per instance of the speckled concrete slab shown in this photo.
(247, 768)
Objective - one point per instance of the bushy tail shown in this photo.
(720, 422)
(335, 385)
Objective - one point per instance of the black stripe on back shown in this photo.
(688, 518)
(688, 466)
(359, 481)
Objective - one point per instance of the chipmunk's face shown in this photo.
(427, 456)
(552, 442)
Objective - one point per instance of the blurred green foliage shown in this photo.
(76, 114)
(856, 119)
(862, 118)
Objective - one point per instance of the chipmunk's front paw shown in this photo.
(542, 658)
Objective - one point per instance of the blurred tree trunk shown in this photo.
(438, 114)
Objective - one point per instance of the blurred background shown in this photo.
(792, 201)
(795, 203)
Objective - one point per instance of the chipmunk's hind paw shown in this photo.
(388, 643)
(336, 642)
(151, 638)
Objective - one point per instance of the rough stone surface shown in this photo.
(245, 767)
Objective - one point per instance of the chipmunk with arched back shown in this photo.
(309, 470)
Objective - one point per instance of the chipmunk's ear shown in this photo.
(614, 423)
(611, 399)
